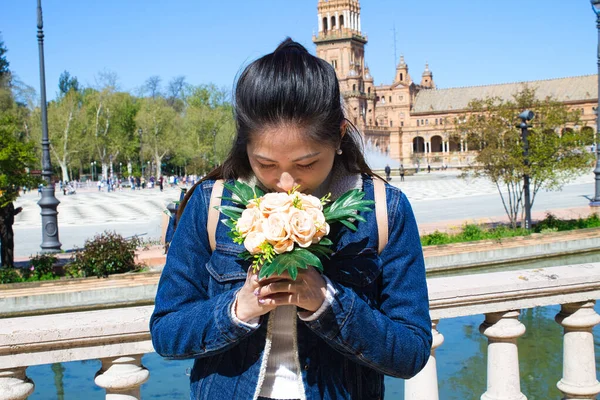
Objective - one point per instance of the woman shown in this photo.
(330, 336)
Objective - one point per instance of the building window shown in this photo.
(401, 76)
(390, 99)
(426, 122)
(422, 123)
(334, 63)
(436, 121)
(417, 122)
(401, 123)
(369, 90)
(354, 87)
(391, 123)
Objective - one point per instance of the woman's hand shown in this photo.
(248, 307)
(307, 291)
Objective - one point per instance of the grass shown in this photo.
(473, 232)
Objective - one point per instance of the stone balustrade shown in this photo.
(119, 337)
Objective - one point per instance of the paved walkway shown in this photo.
(435, 198)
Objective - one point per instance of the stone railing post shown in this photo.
(424, 385)
(579, 361)
(122, 377)
(502, 330)
(14, 384)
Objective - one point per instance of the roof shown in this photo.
(571, 89)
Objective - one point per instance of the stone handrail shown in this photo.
(119, 337)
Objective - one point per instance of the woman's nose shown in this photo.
(286, 182)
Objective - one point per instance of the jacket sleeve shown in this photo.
(394, 338)
(186, 322)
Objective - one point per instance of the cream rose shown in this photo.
(253, 241)
(321, 226)
(248, 221)
(276, 227)
(275, 203)
(283, 246)
(302, 227)
(309, 201)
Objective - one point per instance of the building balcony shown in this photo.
(119, 337)
(339, 34)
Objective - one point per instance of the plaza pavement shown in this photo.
(440, 200)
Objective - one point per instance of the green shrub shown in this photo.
(551, 223)
(472, 232)
(105, 254)
(435, 238)
(41, 268)
(9, 275)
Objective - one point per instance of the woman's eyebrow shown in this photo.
(297, 159)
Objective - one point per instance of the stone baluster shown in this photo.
(579, 361)
(424, 385)
(502, 330)
(122, 377)
(14, 384)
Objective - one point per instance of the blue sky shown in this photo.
(466, 42)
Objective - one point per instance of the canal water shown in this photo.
(461, 360)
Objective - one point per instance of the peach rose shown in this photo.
(283, 246)
(321, 226)
(302, 227)
(309, 201)
(248, 221)
(253, 241)
(275, 202)
(276, 227)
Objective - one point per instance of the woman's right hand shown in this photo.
(247, 306)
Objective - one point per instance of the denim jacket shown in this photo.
(377, 324)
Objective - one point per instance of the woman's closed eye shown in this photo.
(307, 166)
(266, 166)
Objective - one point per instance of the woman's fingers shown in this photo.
(276, 287)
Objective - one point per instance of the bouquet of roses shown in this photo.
(287, 231)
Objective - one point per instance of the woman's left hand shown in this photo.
(307, 291)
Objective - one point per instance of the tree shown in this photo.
(16, 158)
(556, 149)
(4, 71)
(160, 125)
(152, 86)
(66, 83)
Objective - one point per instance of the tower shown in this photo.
(341, 43)
(427, 79)
(402, 75)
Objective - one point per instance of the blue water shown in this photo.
(461, 365)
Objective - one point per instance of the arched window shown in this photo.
(341, 21)
(390, 99)
(391, 123)
(354, 87)
(332, 23)
(369, 90)
(437, 144)
(418, 145)
(325, 24)
(401, 76)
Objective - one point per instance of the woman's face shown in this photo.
(281, 158)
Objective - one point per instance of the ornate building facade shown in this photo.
(412, 122)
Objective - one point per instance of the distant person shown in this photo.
(401, 173)
(160, 183)
(388, 172)
(428, 168)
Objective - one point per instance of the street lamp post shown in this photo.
(48, 203)
(596, 200)
(525, 117)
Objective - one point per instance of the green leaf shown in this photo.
(267, 270)
(349, 225)
(229, 223)
(325, 242)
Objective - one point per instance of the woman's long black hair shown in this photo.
(288, 87)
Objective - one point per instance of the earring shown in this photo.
(339, 152)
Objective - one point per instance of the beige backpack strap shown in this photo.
(381, 212)
(213, 213)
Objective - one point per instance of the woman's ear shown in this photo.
(343, 128)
